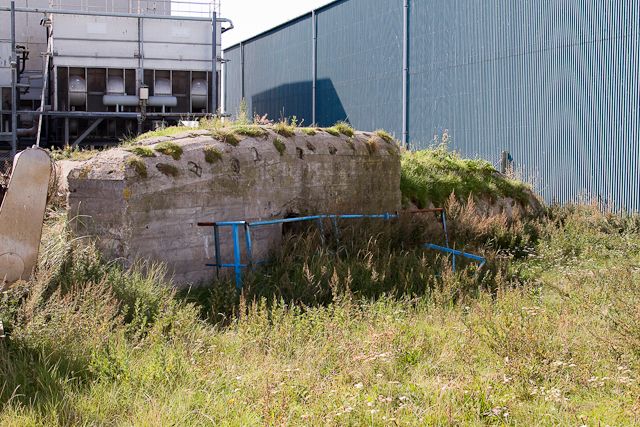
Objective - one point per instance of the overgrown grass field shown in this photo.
(367, 329)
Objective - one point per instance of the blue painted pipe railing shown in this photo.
(247, 226)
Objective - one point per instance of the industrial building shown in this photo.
(553, 83)
(76, 72)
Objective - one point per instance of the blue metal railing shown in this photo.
(247, 226)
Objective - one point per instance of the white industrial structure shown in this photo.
(95, 70)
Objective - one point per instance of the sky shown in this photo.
(251, 17)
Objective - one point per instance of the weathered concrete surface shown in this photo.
(155, 217)
(22, 215)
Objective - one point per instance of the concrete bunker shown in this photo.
(144, 201)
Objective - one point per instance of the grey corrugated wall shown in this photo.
(554, 82)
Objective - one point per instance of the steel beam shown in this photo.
(405, 74)
(314, 64)
(214, 64)
(14, 82)
(86, 133)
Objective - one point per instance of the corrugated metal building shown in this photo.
(553, 82)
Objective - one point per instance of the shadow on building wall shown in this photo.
(294, 99)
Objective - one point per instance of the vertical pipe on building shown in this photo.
(241, 71)
(14, 83)
(214, 63)
(405, 74)
(314, 64)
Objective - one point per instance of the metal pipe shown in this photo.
(405, 74)
(241, 70)
(214, 64)
(314, 64)
(110, 14)
(228, 21)
(45, 82)
(14, 97)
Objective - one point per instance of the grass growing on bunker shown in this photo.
(386, 136)
(170, 149)
(212, 154)
(166, 131)
(141, 150)
(552, 341)
(70, 153)
(138, 165)
(309, 131)
(431, 175)
(253, 131)
(225, 135)
(285, 129)
(282, 149)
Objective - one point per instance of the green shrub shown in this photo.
(431, 175)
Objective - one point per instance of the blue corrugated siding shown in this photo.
(277, 72)
(360, 64)
(233, 80)
(554, 82)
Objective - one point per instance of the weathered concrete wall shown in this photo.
(155, 217)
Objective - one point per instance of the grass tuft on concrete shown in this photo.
(285, 129)
(249, 130)
(345, 129)
(279, 144)
(309, 131)
(138, 165)
(385, 136)
(225, 135)
(170, 149)
(212, 154)
(141, 151)
(167, 131)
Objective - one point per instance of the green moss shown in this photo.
(344, 128)
(279, 146)
(309, 131)
(168, 131)
(285, 129)
(332, 131)
(431, 175)
(168, 170)
(225, 135)
(170, 149)
(212, 154)
(141, 151)
(138, 165)
(384, 135)
(252, 131)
